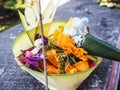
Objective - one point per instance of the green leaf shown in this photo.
(36, 10)
(23, 20)
(49, 12)
(27, 28)
(9, 4)
(19, 1)
(30, 17)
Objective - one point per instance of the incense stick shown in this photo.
(43, 50)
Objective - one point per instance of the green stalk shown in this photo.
(100, 48)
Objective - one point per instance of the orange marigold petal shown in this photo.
(68, 67)
(51, 56)
(73, 70)
(53, 71)
(50, 68)
(80, 53)
(81, 66)
(64, 41)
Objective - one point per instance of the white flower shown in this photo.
(76, 22)
(84, 21)
(38, 42)
(78, 40)
(38, 46)
(36, 50)
(81, 25)
(69, 31)
(78, 31)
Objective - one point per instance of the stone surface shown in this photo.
(104, 23)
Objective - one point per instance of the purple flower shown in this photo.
(34, 60)
(34, 63)
(37, 36)
(45, 40)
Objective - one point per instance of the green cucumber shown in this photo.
(97, 47)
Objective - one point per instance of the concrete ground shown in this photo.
(105, 25)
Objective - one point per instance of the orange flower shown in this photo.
(50, 68)
(70, 69)
(80, 53)
(81, 65)
(73, 70)
(51, 56)
(68, 51)
(64, 41)
(69, 47)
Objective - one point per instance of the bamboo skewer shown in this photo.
(43, 50)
